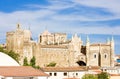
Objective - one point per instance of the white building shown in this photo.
(10, 69)
(6, 60)
(69, 72)
(21, 72)
(111, 70)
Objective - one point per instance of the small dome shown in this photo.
(6, 60)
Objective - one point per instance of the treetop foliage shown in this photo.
(12, 54)
(102, 75)
(52, 64)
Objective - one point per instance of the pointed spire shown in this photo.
(72, 37)
(76, 35)
(80, 37)
(112, 39)
(18, 26)
(87, 41)
(108, 41)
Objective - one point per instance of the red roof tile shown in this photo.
(114, 74)
(18, 71)
(71, 69)
(62, 69)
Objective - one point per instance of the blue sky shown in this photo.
(100, 19)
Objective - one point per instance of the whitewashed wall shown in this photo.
(60, 75)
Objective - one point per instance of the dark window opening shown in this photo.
(105, 70)
(105, 56)
(81, 58)
(94, 56)
(55, 74)
(76, 74)
(31, 77)
(65, 74)
(81, 63)
(99, 59)
(50, 74)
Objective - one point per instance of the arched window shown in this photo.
(105, 56)
(95, 56)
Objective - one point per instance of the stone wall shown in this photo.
(63, 54)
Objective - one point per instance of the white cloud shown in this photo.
(77, 17)
(111, 5)
(48, 16)
(55, 5)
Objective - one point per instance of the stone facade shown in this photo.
(54, 47)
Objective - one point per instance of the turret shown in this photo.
(112, 51)
(108, 41)
(87, 41)
(112, 44)
(87, 51)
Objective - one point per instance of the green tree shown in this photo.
(12, 54)
(103, 75)
(1, 49)
(25, 62)
(89, 76)
(33, 61)
(52, 64)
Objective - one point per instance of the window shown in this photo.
(55, 74)
(105, 69)
(50, 74)
(94, 55)
(76, 74)
(65, 74)
(31, 77)
(105, 56)
(81, 58)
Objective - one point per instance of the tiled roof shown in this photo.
(93, 67)
(62, 69)
(114, 74)
(70, 69)
(20, 71)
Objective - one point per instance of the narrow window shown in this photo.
(50, 74)
(65, 74)
(105, 69)
(95, 56)
(55, 74)
(105, 56)
(76, 74)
